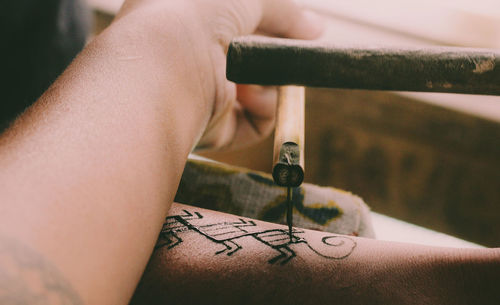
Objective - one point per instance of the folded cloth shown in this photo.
(253, 194)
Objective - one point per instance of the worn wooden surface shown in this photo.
(276, 61)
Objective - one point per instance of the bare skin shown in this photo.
(207, 257)
(88, 173)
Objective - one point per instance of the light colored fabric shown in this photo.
(253, 194)
(392, 229)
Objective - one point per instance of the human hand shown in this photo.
(239, 114)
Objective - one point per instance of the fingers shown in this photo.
(260, 101)
(282, 18)
(249, 115)
(248, 121)
(285, 18)
(259, 106)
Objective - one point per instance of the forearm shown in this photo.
(89, 172)
(206, 257)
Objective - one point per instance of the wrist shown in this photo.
(177, 41)
(176, 70)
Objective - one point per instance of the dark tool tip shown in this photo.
(288, 171)
(289, 211)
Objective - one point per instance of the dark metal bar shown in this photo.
(276, 61)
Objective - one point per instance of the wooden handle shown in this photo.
(276, 61)
(288, 169)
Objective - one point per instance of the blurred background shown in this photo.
(430, 159)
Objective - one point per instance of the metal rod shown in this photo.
(276, 61)
(289, 211)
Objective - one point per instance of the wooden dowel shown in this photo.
(288, 169)
(275, 61)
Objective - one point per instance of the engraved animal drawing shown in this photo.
(228, 233)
